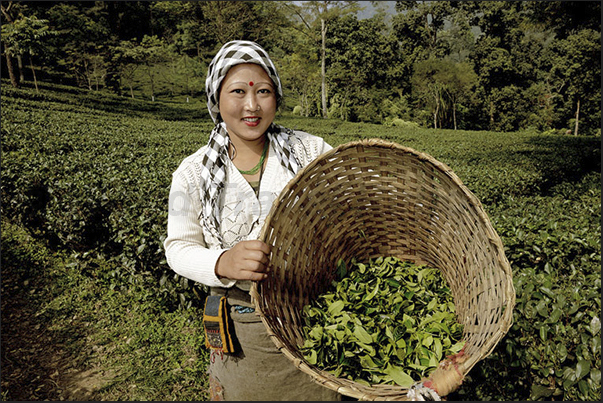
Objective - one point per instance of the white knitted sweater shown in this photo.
(191, 251)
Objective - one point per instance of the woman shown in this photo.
(219, 199)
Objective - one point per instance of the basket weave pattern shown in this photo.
(373, 198)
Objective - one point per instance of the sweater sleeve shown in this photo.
(185, 247)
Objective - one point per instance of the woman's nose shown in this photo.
(251, 102)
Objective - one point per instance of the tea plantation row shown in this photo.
(90, 173)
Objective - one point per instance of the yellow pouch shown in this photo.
(217, 325)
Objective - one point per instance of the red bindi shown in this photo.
(251, 83)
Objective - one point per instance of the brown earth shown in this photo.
(39, 362)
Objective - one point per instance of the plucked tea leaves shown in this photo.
(386, 321)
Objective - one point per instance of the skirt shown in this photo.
(257, 370)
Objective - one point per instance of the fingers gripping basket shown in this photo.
(373, 198)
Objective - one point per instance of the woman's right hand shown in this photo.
(247, 260)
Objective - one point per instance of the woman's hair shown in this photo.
(231, 54)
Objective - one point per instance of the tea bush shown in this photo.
(90, 173)
(96, 182)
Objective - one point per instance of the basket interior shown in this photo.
(373, 198)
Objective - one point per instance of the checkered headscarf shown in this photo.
(213, 173)
(231, 54)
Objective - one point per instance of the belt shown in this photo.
(235, 296)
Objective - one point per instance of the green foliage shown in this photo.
(359, 60)
(88, 175)
(552, 350)
(515, 66)
(403, 124)
(143, 352)
(97, 182)
(26, 35)
(385, 321)
(571, 55)
(443, 86)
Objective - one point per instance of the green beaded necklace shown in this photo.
(256, 168)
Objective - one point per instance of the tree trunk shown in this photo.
(577, 118)
(187, 91)
(305, 104)
(491, 115)
(87, 76)
(435, 114)
(152, 80)
(172, 84)
(9, 59)
(454, 114)
(10, 68)
(20, 65)
(33, 72)
(323, 30)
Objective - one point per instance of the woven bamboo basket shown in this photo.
(373, 198)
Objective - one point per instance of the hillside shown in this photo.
(91, 311)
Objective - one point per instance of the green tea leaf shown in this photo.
(437, 348)
(384, 312)
(595, 375)
(336, 307)
(399, 376)
(316, 333)
(362, 335)
(582, 368)
(367, 362)
(312, 357)
(543, 332)
(595, 325)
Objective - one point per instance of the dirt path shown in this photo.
(35, 358)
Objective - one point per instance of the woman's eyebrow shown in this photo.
(248, 82)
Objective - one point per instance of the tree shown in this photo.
(7, 12)
(497, 24)
(153, 51)
(207, 25)
(26, 36)
(193, 72)
(128, 57)
(458, 82)
(427, 82)
(360, 59)
(420, 23)
(582, 85)
(148, 53)
(538, 50)
(420, 29)
(299, 70)
(443, 84)
(312, 13)
(565, 17)
(83, 40)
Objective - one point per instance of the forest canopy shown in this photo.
(472, 65)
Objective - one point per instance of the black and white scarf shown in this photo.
(213, 172)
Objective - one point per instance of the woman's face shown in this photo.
(247, 101)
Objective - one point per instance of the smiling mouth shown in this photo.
(252, 120)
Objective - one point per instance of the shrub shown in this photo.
(90, 174)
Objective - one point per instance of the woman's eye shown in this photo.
(264, 91)
(238, 91)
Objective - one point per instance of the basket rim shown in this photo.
(354, 389)
(372, 142)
